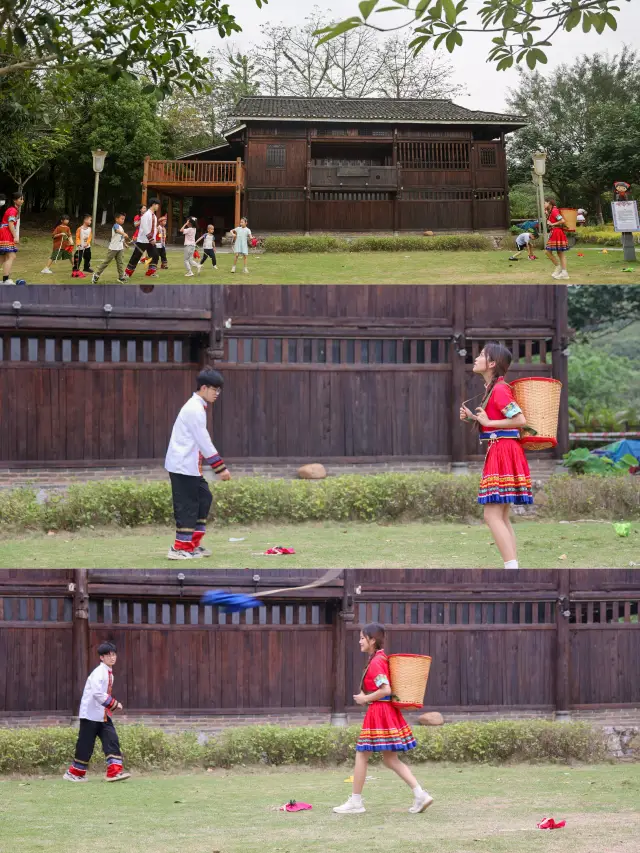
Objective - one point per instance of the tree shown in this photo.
(613, 152)
(308, 61)
(595, 308)
(187, 123)
(404, 74)
(233, 75)
(521, 29)
(353, 65)
(271, 59)
(568, 113)
(33, 131)
(121, 37)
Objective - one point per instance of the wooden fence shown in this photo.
(500, 641)
(95, 375)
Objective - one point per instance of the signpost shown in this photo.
(626, 221)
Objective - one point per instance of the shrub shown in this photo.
(373, 243)
(601, 236)
(50, 750)
(593, 496)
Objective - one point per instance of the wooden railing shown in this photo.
(161, 172)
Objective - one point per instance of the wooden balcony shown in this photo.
(355, 177)
(182, 175)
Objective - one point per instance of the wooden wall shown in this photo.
(312, 371)
(498, 639)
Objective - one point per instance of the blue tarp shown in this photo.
(619, 449)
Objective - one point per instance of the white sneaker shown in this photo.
(563, 274)
(9, 281)
(245, 270)
(187, 274)
(350, 808)
(46, 271)
(94, 278)
(215, 266)
(421, 803)
(198, 269)
(233, 269)
(120, 777)
(179, 555)
(69, 777)
(557, 271)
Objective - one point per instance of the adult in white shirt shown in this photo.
(581, 218)
(189, 446)
(146, 241)
(96, 706)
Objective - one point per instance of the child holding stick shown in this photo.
(384, 729)
(83, 248)
(189, 231)
(96, 707)
(62, 244)
(115, 252)
(208, 247)
(10, 235)
(506, 479)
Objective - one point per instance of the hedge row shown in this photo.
(50, 750)
(600, 236)
(437, 243)
(429, 496)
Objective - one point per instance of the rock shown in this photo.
(428, 233)
(431, 718)
(314, 471)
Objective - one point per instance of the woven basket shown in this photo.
(539, 399)
(409, 676)
(570, 216)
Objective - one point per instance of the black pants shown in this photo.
(209, 253)
(162, 252)
(140, 248)
(90, 730)
(191, 504)
(80, 256)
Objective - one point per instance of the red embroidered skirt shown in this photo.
(557, 241)
(505, 477)
(385, 729)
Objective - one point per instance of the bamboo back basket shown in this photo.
(539, 399)
(409, 676)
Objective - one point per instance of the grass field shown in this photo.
(477, 809)
(542, 545)
(358, 268)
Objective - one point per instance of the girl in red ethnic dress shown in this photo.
(506, 479)
(384, 728)
(557, 241)
(10, 235)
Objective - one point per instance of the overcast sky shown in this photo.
(486, 87)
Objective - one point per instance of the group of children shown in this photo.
(557, 241)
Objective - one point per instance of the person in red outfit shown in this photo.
(557, 241)
(384, 729)
(506, 479)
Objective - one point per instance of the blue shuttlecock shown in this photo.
(230, 602)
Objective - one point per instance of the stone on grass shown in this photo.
(313, 471)
(431, 718)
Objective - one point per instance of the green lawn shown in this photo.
(542, 545)
(476, 810)
(358, 268)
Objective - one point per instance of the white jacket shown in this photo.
(190, 441)
(97, 702)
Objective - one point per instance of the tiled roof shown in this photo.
(367, 109)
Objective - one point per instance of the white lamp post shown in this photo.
(99, 157)
(539, 169)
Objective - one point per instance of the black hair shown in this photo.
(118, 215)
(106, 648)
(62, 218)
(498, 353)
(87, 216)
(152, 202)
(375, 631)
(141, 206)
(16, 195)
(193, 221)
(209, 377)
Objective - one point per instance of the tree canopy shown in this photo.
(521, 29)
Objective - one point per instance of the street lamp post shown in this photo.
(99, 157)
(539, 169)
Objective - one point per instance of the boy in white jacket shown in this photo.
(96, 707)
(190, 445)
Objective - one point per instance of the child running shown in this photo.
(525, 241)
(115, 252)
(557, 241)
(384, 728)
(10, 235)
(189, 446)
(146, 241)
(506, 479)
(241, 235)
(96, 707)
(189, 231)
(83, 248)
(62, 244)
(208, 247)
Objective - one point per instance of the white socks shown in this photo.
(417, 791)
(511, 564)
(356, 799)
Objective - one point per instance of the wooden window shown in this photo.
(446, 156)
(437, 195)
(350, 196)
(276, 195)
(85, 350)
(276, 156)
(488, 157)
(308, 350)
(489, 195)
